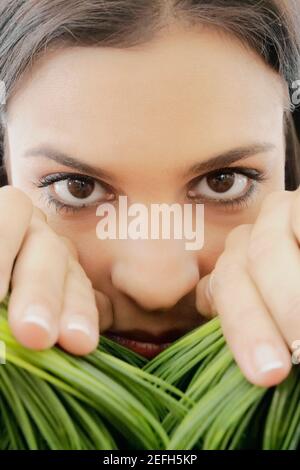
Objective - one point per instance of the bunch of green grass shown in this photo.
(191, 396)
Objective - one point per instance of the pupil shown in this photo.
(80, 189)
(221, 183)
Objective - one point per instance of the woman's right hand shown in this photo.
(51, 298)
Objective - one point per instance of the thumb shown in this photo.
(204, 296)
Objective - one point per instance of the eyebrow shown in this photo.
(219, 161)
(231, 156)
(66, 160)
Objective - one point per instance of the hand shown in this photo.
(51, 298)
(255, 290)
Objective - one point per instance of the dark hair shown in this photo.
(29, 28)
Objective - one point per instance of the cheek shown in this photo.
(95, 257)
(218, 225)
(214, 240)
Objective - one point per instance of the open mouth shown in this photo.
(145, 343)
(148, 350)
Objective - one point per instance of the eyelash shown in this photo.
(59, 206)
(241, 202)
(255, 175)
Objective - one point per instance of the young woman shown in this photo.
(164, 101)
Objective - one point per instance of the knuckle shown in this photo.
(16, 196)
(14, 200)
(85, 281)
(265, 243)
(77, 289)
(227, 271)
(236, 234)
(31, 295)
(51, 242)
(70, 246)
(275, 197)
(43, 235)
(79, 274)
(35, 276)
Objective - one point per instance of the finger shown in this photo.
(251, 333)
(79, 323)
(105, 309)
(70, 246)
(295, 215)
(103, 304)
(204, 298)
(39, 214)
(16, 211)
(274, 264)
(37, 289)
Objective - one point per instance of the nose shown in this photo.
(155, 275)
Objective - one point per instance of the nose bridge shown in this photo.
(155, 273)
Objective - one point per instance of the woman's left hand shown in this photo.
(255, 290)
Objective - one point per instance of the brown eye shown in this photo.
(77, 192)
(80, 189)
(221, 186)
(221, 183)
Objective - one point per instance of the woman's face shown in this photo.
(149, 122)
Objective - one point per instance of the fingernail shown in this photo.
(39, 316)
(82, 325)
(267, 358)
(39, 329)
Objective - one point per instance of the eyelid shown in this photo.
(232, 204)
(241, 202)
(59, 206)
(52, 178)
(252, 173)
(46, 182)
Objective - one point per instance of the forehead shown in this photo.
(184, 89)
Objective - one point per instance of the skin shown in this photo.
(146, 116)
